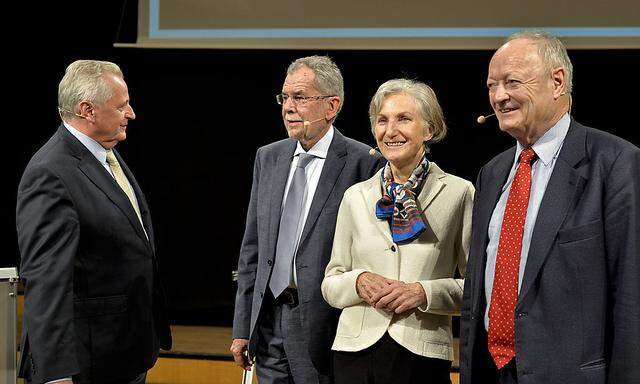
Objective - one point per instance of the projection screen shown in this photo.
(382, 24)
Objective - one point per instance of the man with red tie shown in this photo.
(552, 293)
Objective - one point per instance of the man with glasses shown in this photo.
(281, 319)
(93, 307)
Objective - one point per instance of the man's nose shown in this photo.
(500, 94)
(130, 114)
(288, 105)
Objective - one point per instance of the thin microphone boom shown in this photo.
(60, 110)
(483, 118)
(307, 123)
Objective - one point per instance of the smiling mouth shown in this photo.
(394, 144)
(506, 110)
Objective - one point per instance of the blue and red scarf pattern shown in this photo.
(398, 203)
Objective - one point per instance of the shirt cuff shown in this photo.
(57, 381)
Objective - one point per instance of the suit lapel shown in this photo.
(561, 190)
(432, 187)
(333, 165)
(278, 182)
(489, 191)
(371, 195)
(142, 203)
(101, 178)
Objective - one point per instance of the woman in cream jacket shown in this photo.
(399, 238)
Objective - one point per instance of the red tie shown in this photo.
(505, 281)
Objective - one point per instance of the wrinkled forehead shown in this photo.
(301, 80)
(518, 55)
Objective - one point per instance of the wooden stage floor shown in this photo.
(201, 355)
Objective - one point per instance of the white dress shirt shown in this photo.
(312, 173)
(547, 149)
(93, 146)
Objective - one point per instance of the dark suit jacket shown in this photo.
(93, 302)
(577, 318)
(347, 162)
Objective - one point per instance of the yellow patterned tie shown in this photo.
(122, 181)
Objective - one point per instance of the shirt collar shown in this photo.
(548, 146)
(320, 149)
(93, 146)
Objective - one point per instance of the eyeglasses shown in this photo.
(282, 98)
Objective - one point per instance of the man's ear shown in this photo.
(559, 84)
(334, 107)
(86, 111)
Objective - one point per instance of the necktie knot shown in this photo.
(304, 159)
(527, 156)
(111, 158)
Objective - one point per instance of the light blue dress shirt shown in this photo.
(93, 146)
(547, 149)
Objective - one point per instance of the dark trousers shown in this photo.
(282, 355)
(508, 374)
(140, 379)
(388, 362)
(136, 380)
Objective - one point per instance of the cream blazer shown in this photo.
(363, 243)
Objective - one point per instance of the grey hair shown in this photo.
(552, 52)
(84, 81)
(328, 79)
(425, 98)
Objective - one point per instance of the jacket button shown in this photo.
(393, 248)
(270, 262)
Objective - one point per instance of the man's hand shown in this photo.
(240, 353)
(371, 286)
(402, 297)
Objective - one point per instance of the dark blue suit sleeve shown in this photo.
(622, 231)
(48, 237)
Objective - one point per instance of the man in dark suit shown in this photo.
(280, 317)
(552, 293)
(93, 302)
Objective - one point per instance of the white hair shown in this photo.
(84, 81)
(552, 52)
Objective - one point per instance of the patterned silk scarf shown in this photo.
(398, 203)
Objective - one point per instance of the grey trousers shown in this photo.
(282, 356)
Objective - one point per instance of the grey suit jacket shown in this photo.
(93, 302)
(577, 318)
(347, 162)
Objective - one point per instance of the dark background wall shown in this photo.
(201, 115)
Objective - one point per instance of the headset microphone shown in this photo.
(60, 110)
(372, 151)
(307, 123)
(483, 118)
